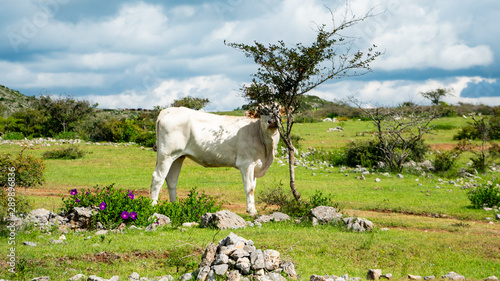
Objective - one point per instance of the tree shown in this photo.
(63, 112)
(437, 95)
(399, 131)
(191, 102)
(286, 73)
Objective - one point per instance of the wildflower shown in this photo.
(131, 196)
(133, 215)
(77, 200)
(73, 192)
(103, 205)
(125, 215)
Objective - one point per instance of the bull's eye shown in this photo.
(269, 121)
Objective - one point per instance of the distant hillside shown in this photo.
(314, 102)
(11, 101)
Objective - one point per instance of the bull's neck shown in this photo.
(267, 137)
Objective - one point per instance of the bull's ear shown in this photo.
(252, 114)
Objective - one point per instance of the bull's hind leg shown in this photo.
(173, 176)
(163, 164)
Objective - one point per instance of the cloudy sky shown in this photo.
(138, 54)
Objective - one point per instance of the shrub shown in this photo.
(444, 127)
(13, 136)
(66, 136)
(119, 206)
(189, 209)
(22, 206)
(114, 206)
(485, 194)
(444, 161)
(72, 152)
(28, 170)
(146, 138)
(277, 196)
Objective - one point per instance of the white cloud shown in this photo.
(222, 92)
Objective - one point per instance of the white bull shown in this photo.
(213, 141)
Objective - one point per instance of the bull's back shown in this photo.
(208, 139)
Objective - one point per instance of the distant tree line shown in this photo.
(67, 117)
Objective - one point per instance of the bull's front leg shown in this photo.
(249, 182)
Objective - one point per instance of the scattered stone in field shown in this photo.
(325, 214)
(58, 241)
(95, 278)
(190, 224)
(497, 216)
(400, 176)
(161, 219)
(43, 278)
(62, 237)
(414, 277)
(28, 243)
(78, 277)
(223, 220)
(432, 277)
(374, 274)
(186, 277)
(386, 276)
(101, 232)
(315, 277)
(151, 227)
(453, 276)
(384, 229)
(491, 278)
(377, 180)
(276, 216)
(134, 276)
(358, 224)
(487, 208)
(346, 175)
(272, 276)
(114, 278)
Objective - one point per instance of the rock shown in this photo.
(62, 237)
(211, 276)
(134, 276)
(221, 259)
(151, 227)
(325, 214)
(80, 217)
(209, 255)
(453, 276)
(223, 220)
(43, 278)
(78, 277)
(257, 260)
(374, 274)
(58, 241)
(243, 264)
(289, 269)
(114, 278)
(400, 176)
(239, 253)
(386, 276)
(414, 277)
(28, 243)
(203, 273)
(271, 276)
(186, 277)
(491, 278)
(96, 278)
(432, 277)
(271, 259)
(276, 216)
(233, 276)
(355, 279)
(315, 277)
(377, 180)
(166, 278)
(497, 216)
(358, 224)
(190, 224)
(220, 269)
(101, 232)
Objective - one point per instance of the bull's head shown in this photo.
(269, 115)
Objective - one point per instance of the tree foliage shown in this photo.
(437, 95)
(286, 72)
(191, 102)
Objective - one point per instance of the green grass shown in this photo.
(418, 244)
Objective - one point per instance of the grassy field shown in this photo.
(417, 242)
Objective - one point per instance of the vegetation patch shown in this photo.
(72, 152)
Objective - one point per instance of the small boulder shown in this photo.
(325, 214)
(271, 259)
(374, 274)
(453, 276)
(223, 220)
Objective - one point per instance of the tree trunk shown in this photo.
(291, 160)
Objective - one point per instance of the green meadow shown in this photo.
(424, 225)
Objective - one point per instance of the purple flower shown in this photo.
(87, 193)
(131, 196)
(125, 215)
(73, 192)
(77, 200)
(133, 215)
(102, 206)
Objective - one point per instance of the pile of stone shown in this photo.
(235, 257)
(325, 214)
